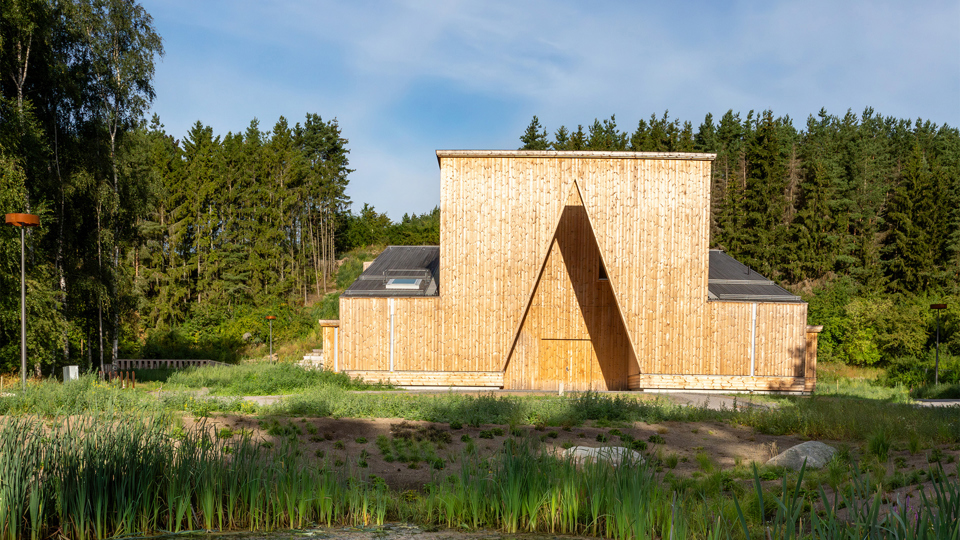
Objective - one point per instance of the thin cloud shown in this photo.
(405, 78)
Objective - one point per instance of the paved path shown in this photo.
(938, 402)
(717, 402)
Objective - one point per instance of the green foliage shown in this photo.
(45, 322)
(177, 344)
(853, 419)
(358, 231)
(535, 137)
(939, 391)
(863, 209)
(879, 443)
(417, 230)
(915, 374)
(352, 265)
(328, 308)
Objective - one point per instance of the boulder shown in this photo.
(815, 453)
(614, 455)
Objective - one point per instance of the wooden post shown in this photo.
(330, 329)
(810, 359)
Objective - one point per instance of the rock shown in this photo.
(815, 453)
(247, 336)
(613, 455)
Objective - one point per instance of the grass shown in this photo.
(841, 380)
(853, 419)
(88, 477)
(262, 379)
(223, 480)
(818, 417)
(938, 391)
(571, 409)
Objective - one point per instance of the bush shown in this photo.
(352, 265)
(917, 373)
(939, 391)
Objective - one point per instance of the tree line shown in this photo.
(140, 231)
(860, 213)
(143, 232)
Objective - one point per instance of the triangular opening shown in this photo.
(572, 332)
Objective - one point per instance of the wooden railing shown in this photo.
(126, 364)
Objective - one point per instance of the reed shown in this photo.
(107, 476)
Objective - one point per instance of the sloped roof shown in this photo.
(410, 262)
(733, 281)
(729, 279)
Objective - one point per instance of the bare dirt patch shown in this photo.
(353, 443)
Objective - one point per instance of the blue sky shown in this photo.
(407, 78)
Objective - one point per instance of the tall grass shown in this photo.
(52, 398)
(853, 419)
(522, 490)
(572, 409)
(109, 476)
(854, 512)
(99, 477)
(327, 394)
(262, 379)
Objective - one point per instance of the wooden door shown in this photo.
(568, 361)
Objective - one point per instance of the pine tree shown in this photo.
(640, 139)
(764, 202)
(729, 183)
(578, 140)
(814, 230)
(605, 136)
(706, 138)
(906, 249)
(684, 142)
(561, 139)
(535, 137)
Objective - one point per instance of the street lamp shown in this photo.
(23, 220)
(936, 369)
(270, 319)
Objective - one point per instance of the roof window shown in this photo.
(403, 283)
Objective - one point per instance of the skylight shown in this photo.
(403, 283)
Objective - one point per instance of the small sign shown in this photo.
(938, 306)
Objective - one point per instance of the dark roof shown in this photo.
(733, 281)
(411, 262)
(730, 280)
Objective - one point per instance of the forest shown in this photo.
(859, 214)
(143, 232)
(150, 239)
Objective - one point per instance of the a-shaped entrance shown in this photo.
(572, 335)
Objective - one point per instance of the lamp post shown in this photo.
(270, 319)
(23, 220)
(936, 369)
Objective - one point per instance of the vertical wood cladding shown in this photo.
(650, 216)
(365, 334)
(572, 334)
(522, 238)
(780, 339)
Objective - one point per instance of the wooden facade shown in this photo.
(575, 270)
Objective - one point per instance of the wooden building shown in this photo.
(575, 271)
